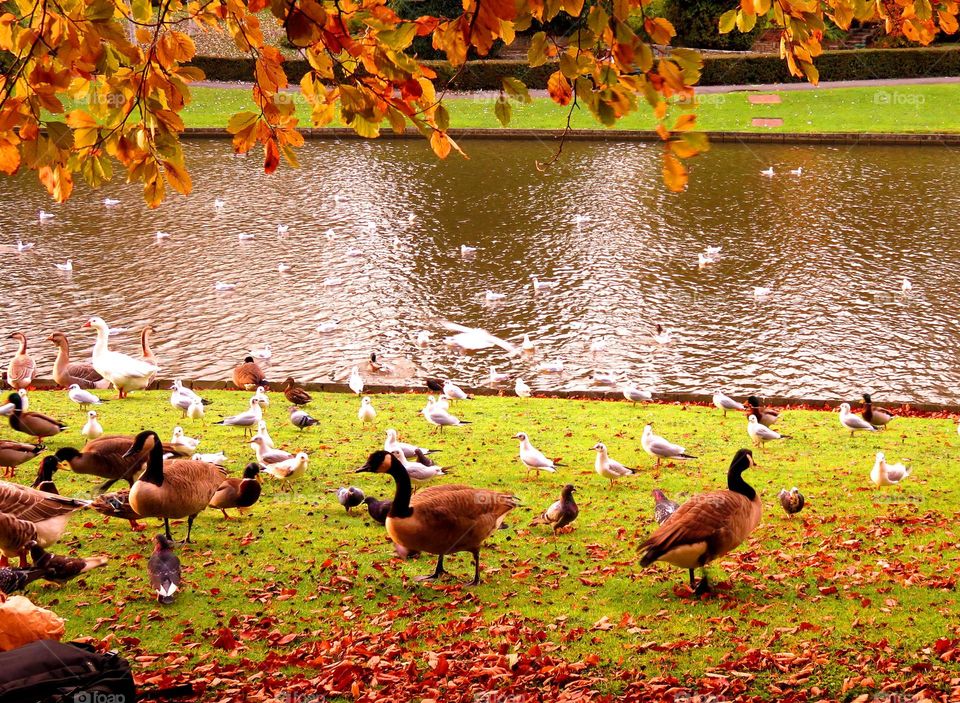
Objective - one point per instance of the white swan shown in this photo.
(124, 372)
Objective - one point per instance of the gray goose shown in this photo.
(22, 368)
(46, 513)
(12, 454)
(66, 372)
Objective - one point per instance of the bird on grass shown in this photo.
(294, 393)
(367, 413)
(792, 500)
(852, 422)
(301, 419)
(766, 416)
(92, 429)
(561, 512)
(350, 497)
(760, 434)
(878, 417)
(708, 526)
(636, 395)
(13, 579)
(532, 458)
(378, 509)
(663, 507)
(248, 419)
(607, 467)
(163, 568)
(60, 569)
(884, 474)
(658, 447)
(13, 454)
(289, 470)
(410, 451)
(724, 402)
(240, 493)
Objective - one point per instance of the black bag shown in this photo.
(48, 671)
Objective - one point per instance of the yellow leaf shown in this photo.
(178, 177)
(728, 20)
(537, 54)
(559, 88)
(685, 123)
(9, 158)
(674, 173)
(502, 110)
(440, 144)
(241, 121)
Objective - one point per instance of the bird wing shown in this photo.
(618, 468)
(534, 457)
(461, 513)
(661, 447)
(21, 368)
(33, 505)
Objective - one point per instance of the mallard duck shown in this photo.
(658, 447)
(760, 434)
(30, 423)
(607, 467)
(852, 422)
(47, 512)
(378, 509)
(440, 520)
(106, 457)
(766, 416)
(560, 513)
(294, 393)
(22, 368)
(163, 569)
(725, 402)
(289, 470)
(118, 505)
(350, 497)
(884, 474)
(181, 488)
(878, 417)
(532, 458)
(12, 454)
(66, 372)
(792, 500)
(248, 375)
(60, 569)
(240, 493)
(707, 526)
(124, 372)
(663, 507)
(44, 481)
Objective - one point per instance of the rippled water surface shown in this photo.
(834, 245)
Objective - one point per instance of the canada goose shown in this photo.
(12, 454)
(181, 488)
(294, 393)
(44, 481)
(30, 423)
(118, 505)
(607, 467)
(663, 507)
(163, 568)
(852, 422)
(240, 493)
(60, 569)
(657, 446)
(878, 417)
(766, 416)
(792, 500)
(124, 372)
(440, 520)
(47, 512)
(248, 375)
(561, 513)
(884, 474)
(725, 402)
(532, 458)
(22, 368)
(66, 372)
(378, 509)
(707, 526)
(106, 457)
(350, 497)
(760, 434)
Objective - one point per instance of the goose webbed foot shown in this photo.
(438, 572)
(703, 587)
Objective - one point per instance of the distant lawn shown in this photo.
(920, 108)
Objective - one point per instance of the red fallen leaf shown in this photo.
(827, 590)
(226, 641)
(592, 659)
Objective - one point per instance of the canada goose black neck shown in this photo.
(67, 453)
(741, 462)
(154, 472)
(401, 498)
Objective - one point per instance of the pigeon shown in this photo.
(61, 569)
(561, 513)
(792, 500)
(663, 507)
(301, 419)
(350, 497)
(378, 509)
(164, 570)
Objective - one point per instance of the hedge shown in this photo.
(742, 69)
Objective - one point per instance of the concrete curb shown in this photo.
(941, 139)
(586, 394)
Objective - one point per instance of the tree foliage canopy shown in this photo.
(125, 64)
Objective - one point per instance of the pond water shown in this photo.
(833, 244)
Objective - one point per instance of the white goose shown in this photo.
(124, 372)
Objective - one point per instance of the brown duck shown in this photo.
(181, 488)
(248, 375)
(440, 520)
(22, 368)
(46, 513)
(30, 423)
(12, 454)
(878, 417)
(294, 393)
(707, 526)
(106, 457)
(60, 569)
(765, 416)
(240, 493)
(66, 372)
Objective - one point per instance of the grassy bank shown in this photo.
(920, 108)
(286, 597)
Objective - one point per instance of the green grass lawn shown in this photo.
(920, 108)
(855, 593)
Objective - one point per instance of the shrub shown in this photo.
(697, 22)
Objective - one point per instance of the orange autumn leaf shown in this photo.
(674, 173)
(559, 88)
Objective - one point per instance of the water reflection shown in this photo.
(833, 244)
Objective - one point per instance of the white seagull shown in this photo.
(496, 377)
(246, 236)
(110, 202)
(884, 474)
(393, 444)
(657, 446)
(521, 389)
(328, 326)
(265, 353)
(92, 429)
(180, 439)
(635, 395)
(853, 422)
(355, 381)
(542, 285)
(250, 418)
(67, 266)
(492, 297)
(284, 268)
(437, 415)
(475, 339)
(725, 402)
(607, 467)
(23, 246)
(769, 172)
(467, 251)
(221, 286)
(761, 434)
(453, 391)
(81, 397)
(533, 458)
(367, 412)
(283, 229)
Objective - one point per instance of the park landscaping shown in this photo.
(854, 597)
(883, 109)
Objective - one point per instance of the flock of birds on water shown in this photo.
(172, 480)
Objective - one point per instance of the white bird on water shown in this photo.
(761, 291)
(475, 339)
(769, 172)
(551, 366)
(725, 402)
(854, 422)
(355, 381)
(492, 297)
(539, 285)
(218, 203)
(328, 326)
(663, 335)
(330, 233)
(423, 339)
(284, 268)
(110, 202)
(92, 429)
(23, 246)
(262, 354)
(246, 236)
(598, 345)
(332, 281)
(714, 252)
(162, 235)
(605, 378)
(657, 446)
(607, 467)
(884, 474)
(283, 229)
(467, 251)
(703, 260)
(44, 216)
(67, 266)
(221, 286)
(521, 388)
(527, 345)
(798, 171)
(533, 458)
(906, 286)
